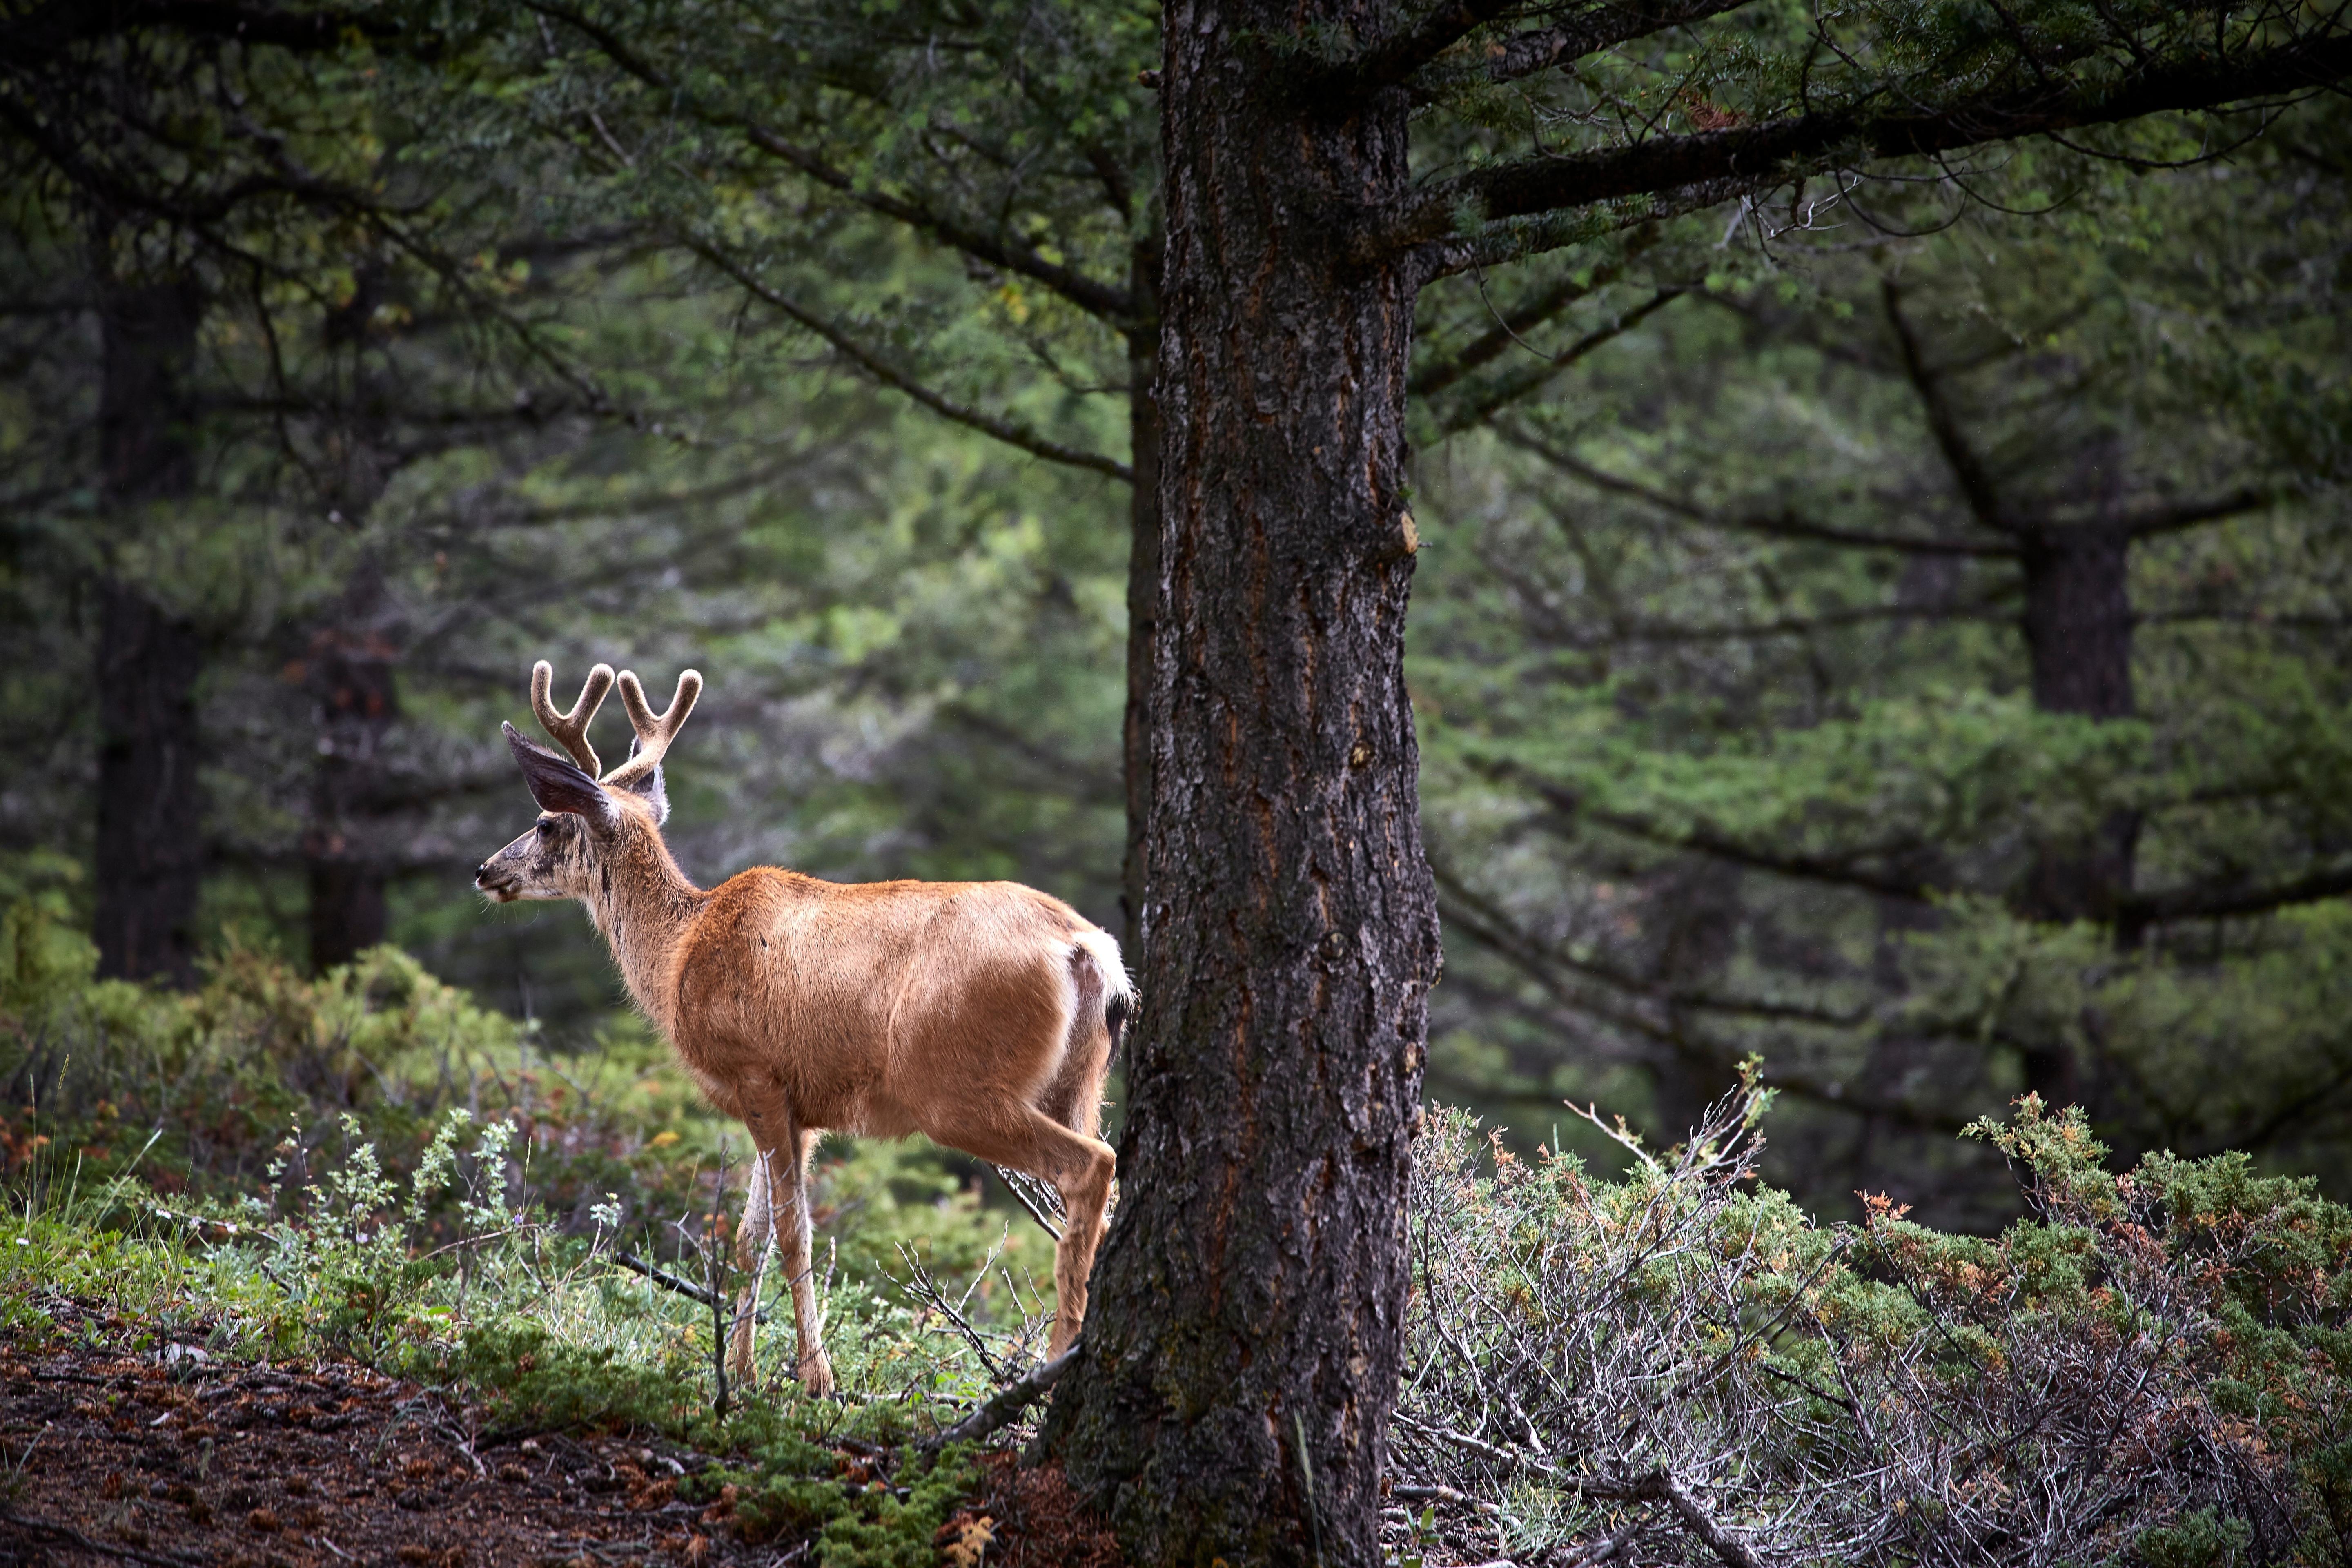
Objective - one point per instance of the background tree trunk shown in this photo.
(351, 666)
(1241, 1356)
(150, 858)
(2078, 632)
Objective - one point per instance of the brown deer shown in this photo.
(980, 1013)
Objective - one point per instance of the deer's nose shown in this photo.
(481, 870)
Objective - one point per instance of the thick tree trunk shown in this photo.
(1242, 1355)
(150, 859)
(1142, 582)
(2078, 632)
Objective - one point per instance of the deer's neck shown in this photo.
(643, 904)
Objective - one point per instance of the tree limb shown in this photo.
(1113, 305)
(671, 1283)
(892, 377)
(2216, 903)
(1431, 380)
(1710, 166)
(66, 1535)
(34, 39)
(1968, 469)
(1785, 525)
(1518, 386)
(1838, 871)
(1699, 1522)
(1595, 28)
(1008, 1401)
(1480, 918)
(1396, 60)
(2178, 515)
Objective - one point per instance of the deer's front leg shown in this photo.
(788, 1176)
(752, 1249)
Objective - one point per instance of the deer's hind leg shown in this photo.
(1023, 1138)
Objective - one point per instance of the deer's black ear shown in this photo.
(650, 790)
(557, 783)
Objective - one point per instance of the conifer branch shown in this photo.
(1113, 305)
(1445, 225)
(901, 380)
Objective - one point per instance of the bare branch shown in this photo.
(1008, 1401)
(35, 38)
(2179, 515)
(1433, 379)
(1838, 870)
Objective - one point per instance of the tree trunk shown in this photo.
(150, 858)
(2078, 632)
(2078, 621)
(1142, 580)
(351, 668)
(1241, 1356)
(149, 862)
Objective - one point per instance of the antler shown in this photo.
(655, 731)
(571, 729)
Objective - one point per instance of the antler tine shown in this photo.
(571, 729)
(655, 731)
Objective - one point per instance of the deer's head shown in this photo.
(584, 818)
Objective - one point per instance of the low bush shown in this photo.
(1679, 1366)
(240, 1089)
(1674, 1365)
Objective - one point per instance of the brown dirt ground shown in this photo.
(173, 1458)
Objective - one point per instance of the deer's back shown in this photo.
(868, 1002)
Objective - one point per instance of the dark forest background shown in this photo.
(1899, 632)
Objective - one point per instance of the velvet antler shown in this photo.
(571, 729)
(655, 731)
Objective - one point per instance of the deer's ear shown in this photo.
(648, 788)
(557, 783)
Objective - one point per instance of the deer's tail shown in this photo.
(1103, 983)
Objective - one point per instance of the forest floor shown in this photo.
(168, 1456)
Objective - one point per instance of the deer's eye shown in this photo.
(546, 827)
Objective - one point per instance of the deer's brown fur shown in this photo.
(980, 1014)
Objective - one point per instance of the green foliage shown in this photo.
(2154, 1366)
(436, 1255)
(1737, 737)
(2201, 1539)
(419, 1120)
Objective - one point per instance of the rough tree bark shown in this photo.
(150, 856)
(1142, 578)
(1240, 1366)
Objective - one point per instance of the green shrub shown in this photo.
(197, 1093)
(2153, 1367)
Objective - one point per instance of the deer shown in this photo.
(982, 1015)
